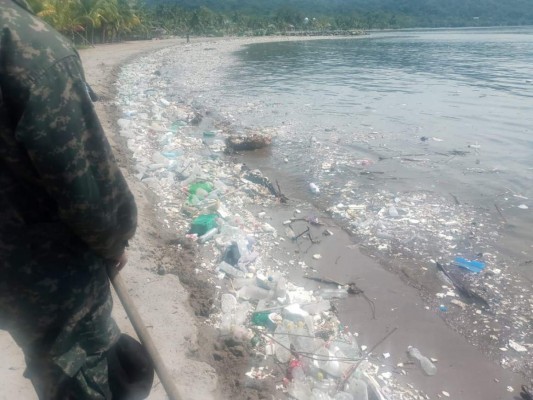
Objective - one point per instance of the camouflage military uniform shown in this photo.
(65, 212)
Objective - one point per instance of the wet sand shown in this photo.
(463, 371)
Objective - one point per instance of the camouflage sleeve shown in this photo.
(68, 148)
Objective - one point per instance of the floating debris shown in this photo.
(253, 141)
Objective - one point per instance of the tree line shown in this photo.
(100, 21)
(91, 21)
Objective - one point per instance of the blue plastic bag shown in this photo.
(471, 265)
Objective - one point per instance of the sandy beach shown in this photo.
(171, 322)
(173, 280)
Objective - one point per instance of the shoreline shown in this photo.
(149, 251)
(449, 343)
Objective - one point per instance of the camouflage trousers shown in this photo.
(58, 310)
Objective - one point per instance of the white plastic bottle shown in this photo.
(357, 387)
(283, 344)
(425, 363)
(343, 396)
(327, 362)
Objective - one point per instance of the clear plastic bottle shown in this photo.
(343, 396)
(226, 323)
(208, 235)
(325, 386)
(281, 288)
(318, 307)
(424, 363)
(327, 362)
(283, 343)
(302, 340)
(318, 394)
(293, 312)
(298, 374)
(252, 292)
(333, 293)
(300, 390)
(357, 387)
(230, 270)
(348, 346)
(341, 358)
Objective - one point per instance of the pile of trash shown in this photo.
(427, 231)
(208, 199)
(413, 223)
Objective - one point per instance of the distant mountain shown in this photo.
(425, 12)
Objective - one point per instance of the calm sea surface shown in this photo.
(448, 111)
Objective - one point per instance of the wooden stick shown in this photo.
(144, 336)
(353, 368)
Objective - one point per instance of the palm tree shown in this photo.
(36, 5)
(127, 20)
(90, 15)
(61, 14)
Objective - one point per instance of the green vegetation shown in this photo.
(374, 13)
(90, 21)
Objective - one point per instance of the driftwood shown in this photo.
(463, 290)
(256, 177)
(526, 393)
(351, 288)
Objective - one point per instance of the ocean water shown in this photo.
(416, 117)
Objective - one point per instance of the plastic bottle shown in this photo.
(208, 235)
(246, 256)
(318, 394)
(283, 343)
(226, 323)
(302, 340)
(357, 387)
(341, 360)
(333, 293)
(201, 193)
(252, 292)
(230, 270)
(327, 362)
(300, 390)
(317, 308)
(281, 290)
(325, 386)
(425, 363)
(343, 396)
(221, 186)
(241, 313)
(298, 373)
(314, 188)
(348, 346)
(208, 205)
(263, 281)
(229, 233)
(293, 312)
(240, 282)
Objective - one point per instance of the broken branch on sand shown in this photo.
(300, 235)
(351, 288)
